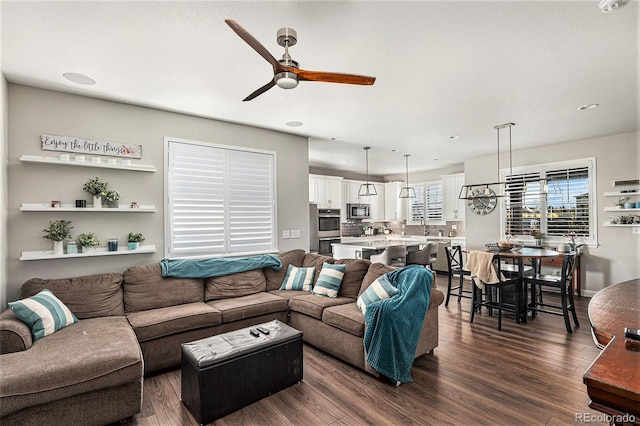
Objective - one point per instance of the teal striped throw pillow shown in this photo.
(380, 289)
(329, 280)
(298, 278)
(44, 313)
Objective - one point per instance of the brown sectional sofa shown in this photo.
(134, 323)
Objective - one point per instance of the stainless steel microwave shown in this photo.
(358, 211)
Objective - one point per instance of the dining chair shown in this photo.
(493, 295)
(391, 256)
(455, 267)
(562, 282)
(425, 257)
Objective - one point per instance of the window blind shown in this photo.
(428, 203)
(220, 200)
(553, 198)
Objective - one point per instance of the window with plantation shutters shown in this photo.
(220, 200)
(427, 205)
(556, 199)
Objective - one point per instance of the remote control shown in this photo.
(632, 333)
(262, 330)
(254, 332)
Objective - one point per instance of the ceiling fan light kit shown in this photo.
(286, 71)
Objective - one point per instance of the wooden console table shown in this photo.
(613, 380)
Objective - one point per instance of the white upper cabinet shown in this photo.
(328, 191)
(454, 208)
(395, 208)
(377, 202)
(313, 189)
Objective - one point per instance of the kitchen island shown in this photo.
(364, 249)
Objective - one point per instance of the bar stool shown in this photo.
(454, 264)
(424, 257)
(391, 256)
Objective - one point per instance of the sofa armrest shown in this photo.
(15, 336)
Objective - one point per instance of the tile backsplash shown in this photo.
(356, 228)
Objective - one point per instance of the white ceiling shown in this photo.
(442, 69)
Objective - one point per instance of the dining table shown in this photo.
(520, 255)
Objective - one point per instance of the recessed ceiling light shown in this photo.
(336, 138)
(589, 106)
(455, 137)
(79, 78)
(294, 123)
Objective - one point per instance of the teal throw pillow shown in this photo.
(298, 278)
(44, 313)
(380, 289)
(329, 280)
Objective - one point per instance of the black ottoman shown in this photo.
(223, 373)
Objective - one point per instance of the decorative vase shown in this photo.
(58, 248)
(538, 242)
(88, 249)
(97, 202)
(133, 246)
(113, 204)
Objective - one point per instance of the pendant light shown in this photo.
(367, 189)
(407, 191)
(470, 192)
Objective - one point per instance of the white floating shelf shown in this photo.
(55, 160)
(614, 209)
(621, 194)
(46, 207)
(100, 251)
(622, 225)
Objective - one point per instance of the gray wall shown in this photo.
(617, 258)
(33, 112)
(4, 151)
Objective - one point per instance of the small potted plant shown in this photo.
(111, 197)
(57, 231)
(134, 240)
(96, 188)
(88, 242)
(538, 236)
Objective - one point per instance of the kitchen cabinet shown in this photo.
(328, 191)
(313, 189)
(376, 202)
(395, 208)
(454, 208)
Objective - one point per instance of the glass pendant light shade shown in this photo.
(367, 189)
(407, 191)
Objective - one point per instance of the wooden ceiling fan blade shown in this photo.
(332, 77)
(260, 91)
(255, 44)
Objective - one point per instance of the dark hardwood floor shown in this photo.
(524, 375)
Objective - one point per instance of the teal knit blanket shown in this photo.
(394, 325)
(217, 266)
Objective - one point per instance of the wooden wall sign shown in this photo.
(88, 146)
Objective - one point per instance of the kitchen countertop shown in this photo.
(378, 243)
(419, 238)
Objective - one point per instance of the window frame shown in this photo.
(168, 253)
(422, 186)
(543, 168)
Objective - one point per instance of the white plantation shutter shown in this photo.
(554, 198)
(220, 200)
(434, 202)
(427, 204)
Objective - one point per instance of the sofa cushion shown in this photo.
(314, 259)
(90, 296)
(145, 288)
(248, 306)
(329, 280)
(375, 270)
(312, 305)
(44, 313)
(346, 317)
(154, 323)
(275, 278)
(234, 285)
(298, 278)
(89, 355)
(380, 289)
(353, 276)
(287, 294)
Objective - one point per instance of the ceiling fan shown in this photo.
(286, 72)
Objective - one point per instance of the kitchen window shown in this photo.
(557, 199)
(427, 205)
(220, 200)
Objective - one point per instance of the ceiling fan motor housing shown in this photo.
(287, 37)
